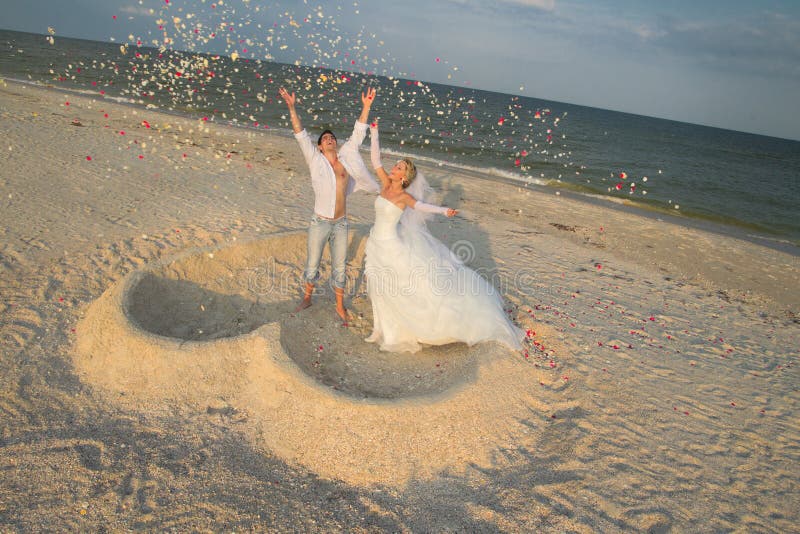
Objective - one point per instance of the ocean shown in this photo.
(723, 180)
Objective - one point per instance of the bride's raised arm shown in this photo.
(375, 154)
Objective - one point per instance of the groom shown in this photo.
(334, 175)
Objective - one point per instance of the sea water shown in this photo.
(746, 183)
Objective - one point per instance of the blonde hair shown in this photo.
(411, 172)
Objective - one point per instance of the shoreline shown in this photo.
(780, 244)
(737, 231)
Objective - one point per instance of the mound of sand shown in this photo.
(214, 330)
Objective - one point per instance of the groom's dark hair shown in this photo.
(319, 139)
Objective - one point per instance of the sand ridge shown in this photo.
(184, 332)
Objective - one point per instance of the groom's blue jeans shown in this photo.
(322, 231)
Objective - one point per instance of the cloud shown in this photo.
(757, 42)
(765, 42)
(480, 6)
(137, 10)
(545, 5)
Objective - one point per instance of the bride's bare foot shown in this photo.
(343, 315)
(305, 303)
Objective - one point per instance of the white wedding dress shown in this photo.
(422, 293)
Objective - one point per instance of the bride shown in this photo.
(420, 291)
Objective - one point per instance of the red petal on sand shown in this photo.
(88, 158)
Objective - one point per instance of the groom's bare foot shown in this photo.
(305, 303)
(343, 315)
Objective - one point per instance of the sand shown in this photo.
(155, 375)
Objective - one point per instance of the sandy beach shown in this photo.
(155, 376)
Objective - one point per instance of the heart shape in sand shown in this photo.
(214, 330)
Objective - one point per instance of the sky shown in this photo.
(732, 64)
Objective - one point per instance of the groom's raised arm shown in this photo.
(366, 101)
(360, 127)
(349, 153)
(291, 100)
(303, 139)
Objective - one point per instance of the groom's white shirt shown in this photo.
(323, 179)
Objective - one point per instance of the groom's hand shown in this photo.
(368, 97)
(290, 99)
